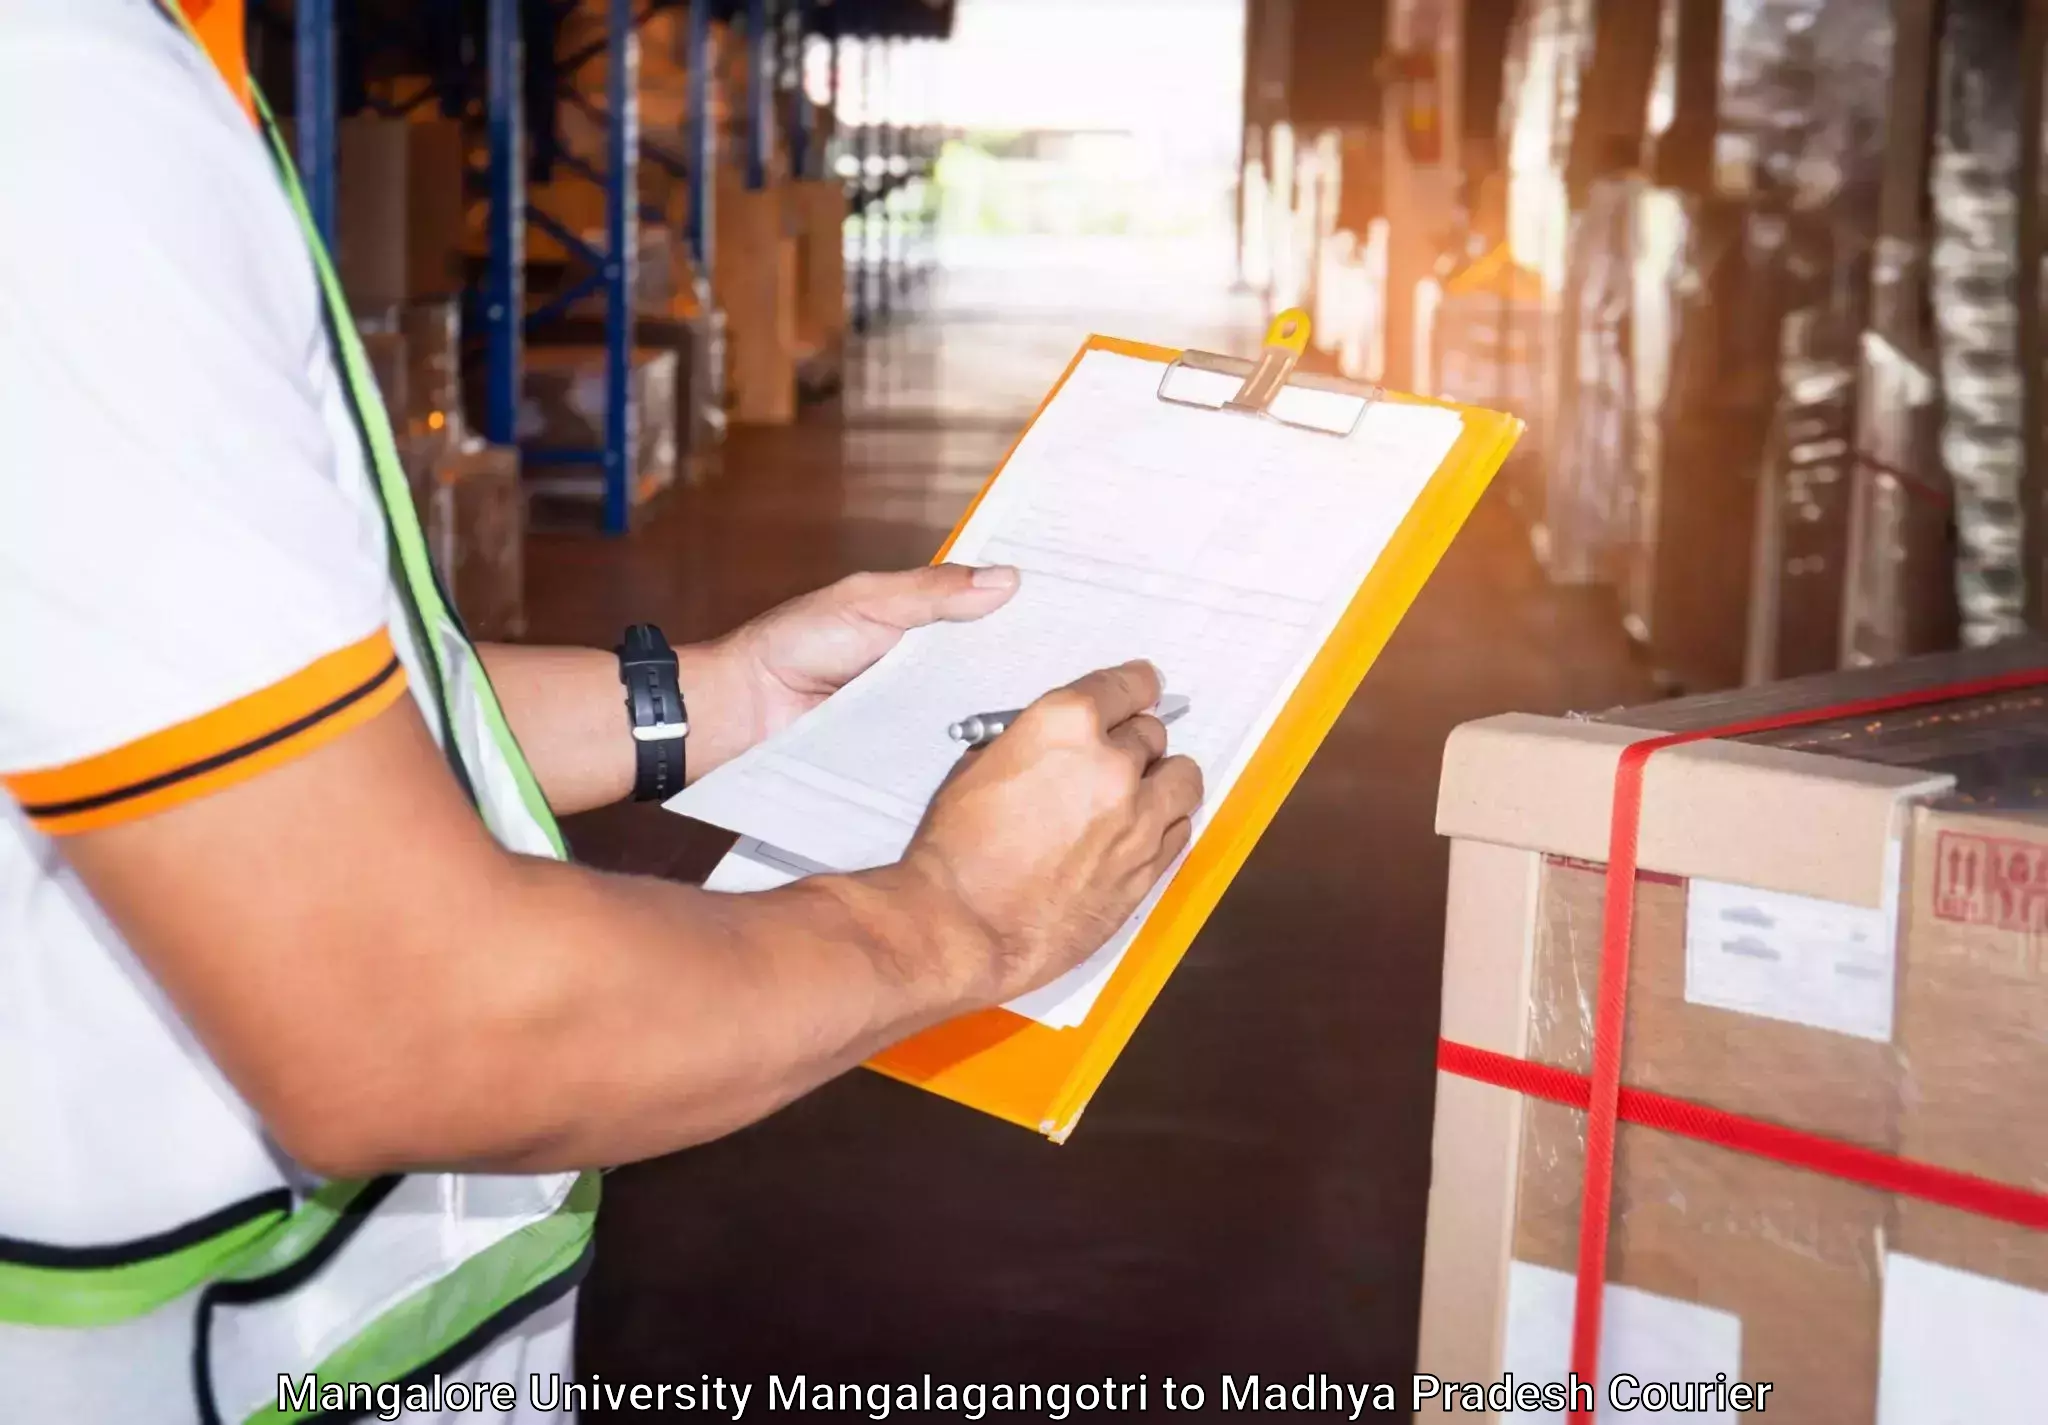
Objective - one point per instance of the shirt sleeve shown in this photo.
(191, 588)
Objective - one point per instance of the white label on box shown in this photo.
(1795, 958)
(1653, 1338)
(1957, 1348)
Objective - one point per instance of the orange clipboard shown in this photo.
(1042, 1078)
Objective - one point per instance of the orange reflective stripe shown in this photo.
(217, 749)
(221, 28)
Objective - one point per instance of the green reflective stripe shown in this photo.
(396, 494)
(417, 1332)
(102, 1296)
(298, 1234)
(535, 800)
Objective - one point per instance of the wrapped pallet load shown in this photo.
(1753, 249)
(1975, 272)
(1538, 96)
(1808, 109)
(1555, 60)
(1590, 508)
(563, 409)
(1733, 1027)
(1481, 334)
(474, 519)
(1900, 589)
(1589, 504)
(1705, 386)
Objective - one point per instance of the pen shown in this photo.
(985, 727)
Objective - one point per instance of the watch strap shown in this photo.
(656, 715)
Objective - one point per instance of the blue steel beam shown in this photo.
(622, 231)
(504, 293)
(568, 67)
(698, 137)
(566, 299)
(314, 120)
(569, 238)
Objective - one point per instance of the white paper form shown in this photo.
(1221, 547)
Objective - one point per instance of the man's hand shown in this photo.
(774, 669)
(1051, 835)
(568, 710)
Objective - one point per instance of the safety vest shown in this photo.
(372, 1282)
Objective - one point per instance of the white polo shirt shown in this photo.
(194, 588)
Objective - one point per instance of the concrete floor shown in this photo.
(1247, 1191)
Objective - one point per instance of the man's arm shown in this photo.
(390, 989)
(567, 707)
(568, 710)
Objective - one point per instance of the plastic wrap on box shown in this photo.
(1795, 1258)
(475, 524)
(1549, 46)
(1818, 1285)
(1481, 334)
(1551, 43)
(1808, 83)
(562, 406)
(1803, 96)
(1687, 589)
(1899, 594)
(1589, 508)
(384, 343)
(433, 347)
(1975, 288)
(1798, 568)
(1906, 1023)
(1661, 228)
(1748, 301)
(654, 280)
(1995, 746)
(700, 394)
(1899, 597)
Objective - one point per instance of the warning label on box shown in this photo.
(1991, 880)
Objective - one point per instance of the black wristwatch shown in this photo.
(654, 708)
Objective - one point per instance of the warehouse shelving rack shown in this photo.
(776, 34)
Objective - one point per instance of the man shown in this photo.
(308, 1037)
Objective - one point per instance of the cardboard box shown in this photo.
(755, 277)
(562, 404)
(1973, 1026)
(475, 523)
(371, 222)
(433, 348)
(1804, 955)
(820, 208)
(415, 354)
(436, 207)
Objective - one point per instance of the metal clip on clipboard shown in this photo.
(1269, 387)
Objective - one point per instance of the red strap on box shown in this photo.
(1851, 1162)
(1603, 1094)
